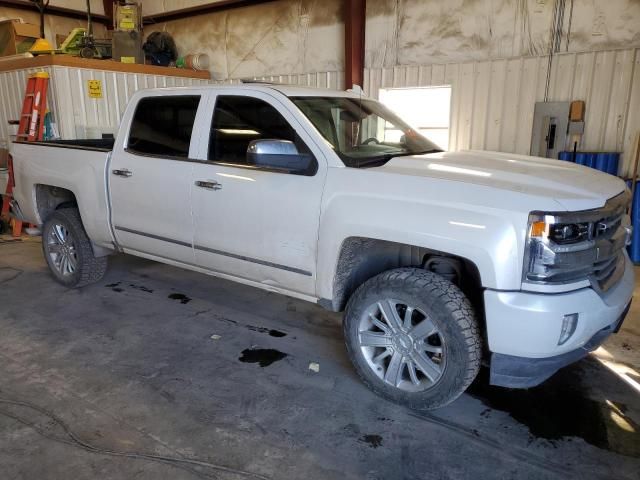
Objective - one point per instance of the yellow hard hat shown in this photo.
(41, 45)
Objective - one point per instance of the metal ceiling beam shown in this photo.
(108, 12)
(54, 10)
(200, 10)
(354, 30)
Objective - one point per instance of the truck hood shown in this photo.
(573, 187)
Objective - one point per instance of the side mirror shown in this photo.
(279, 155)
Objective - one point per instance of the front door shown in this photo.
(150, 181)
(256, 224)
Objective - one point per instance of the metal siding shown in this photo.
(493, 101)
(69, 101)
(632, 124)
(480, 105)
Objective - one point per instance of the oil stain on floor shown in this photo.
(262, 356)
(374, 441)
(181, 297)
(558, 409)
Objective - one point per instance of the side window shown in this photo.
(162, 126)
(239, 120)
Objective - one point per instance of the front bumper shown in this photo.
(523, 329)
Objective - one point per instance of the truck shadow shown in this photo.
(584, 400)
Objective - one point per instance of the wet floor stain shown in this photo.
(141, 288)
(179, 296)
(270, 331)
(115, 287)
(559, 409)
(374, 441)
(262, 356)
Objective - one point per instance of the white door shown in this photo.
(255, 223)
(150, 181)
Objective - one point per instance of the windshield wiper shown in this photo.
(382, 159)
(407, 154)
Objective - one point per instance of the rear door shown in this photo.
(255, 223)
(150, 177)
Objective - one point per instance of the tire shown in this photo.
(425, 302)
(68, 251)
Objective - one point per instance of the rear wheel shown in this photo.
(413, 338)
(68, 251)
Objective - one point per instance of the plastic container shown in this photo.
(197, 61)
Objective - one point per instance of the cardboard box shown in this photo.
(127, 47)
(16, 37)
(576, 114)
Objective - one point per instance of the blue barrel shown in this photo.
(602, 161)
(634, 248)
(566, 156)
(612, 163)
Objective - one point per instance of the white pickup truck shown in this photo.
(440, 260)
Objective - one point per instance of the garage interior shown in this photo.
(158, 372)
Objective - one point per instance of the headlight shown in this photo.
(557, 251)
(563, 233)
(569, 247)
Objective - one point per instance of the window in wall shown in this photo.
(238, 120)
(427, 109)
(162, 125)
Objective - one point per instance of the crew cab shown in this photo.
(440, 260)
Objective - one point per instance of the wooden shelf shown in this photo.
(93, 64)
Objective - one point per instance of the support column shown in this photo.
(354, 29)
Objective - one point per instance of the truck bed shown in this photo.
(78, 166)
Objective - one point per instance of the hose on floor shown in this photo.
(186, 464)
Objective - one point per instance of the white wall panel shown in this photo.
(493, 101)
(72, 108)
(12, 88)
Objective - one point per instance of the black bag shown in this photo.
(160, 48)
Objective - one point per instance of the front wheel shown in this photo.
(68, 251)
(413, 338)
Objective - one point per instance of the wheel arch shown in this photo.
(50, 198)
(362, 258)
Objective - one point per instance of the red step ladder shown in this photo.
(30, 129)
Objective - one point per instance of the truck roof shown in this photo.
(288, 90)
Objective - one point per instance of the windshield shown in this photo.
(362, 132)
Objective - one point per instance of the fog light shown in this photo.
(569, 324)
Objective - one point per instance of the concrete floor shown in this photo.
(154, 360)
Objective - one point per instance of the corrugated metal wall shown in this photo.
(68, 99)
(493, 101)
(12, 87)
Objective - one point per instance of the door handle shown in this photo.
(123, 173)
(208, 185)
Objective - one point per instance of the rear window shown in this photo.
(162, 126)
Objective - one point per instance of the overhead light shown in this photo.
(239, 131)
(463, 171)
(469, 225)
